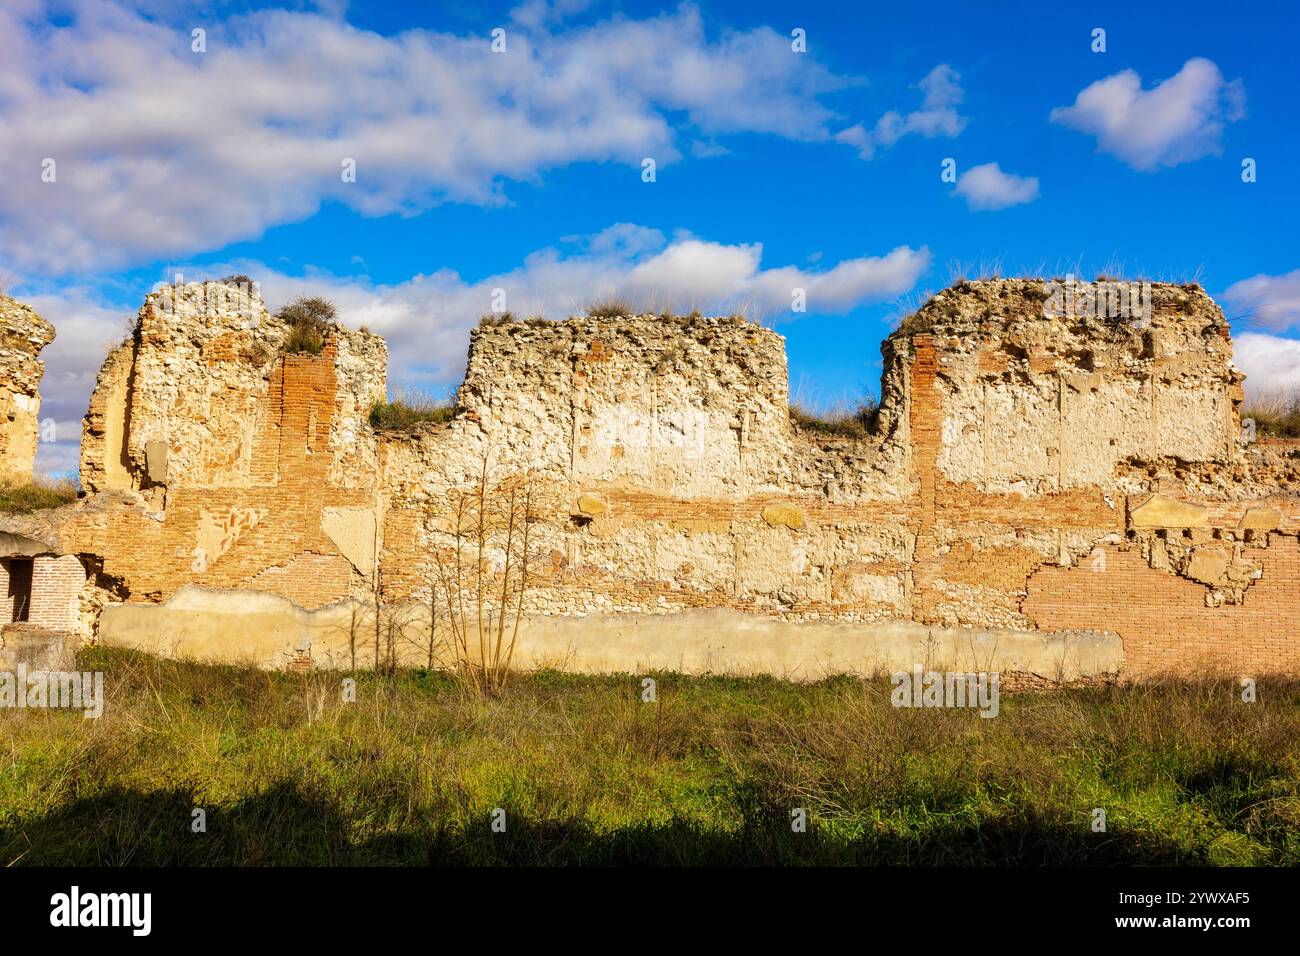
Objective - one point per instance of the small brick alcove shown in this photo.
(43, 590)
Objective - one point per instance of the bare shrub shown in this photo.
(309, 319)
(480, 579)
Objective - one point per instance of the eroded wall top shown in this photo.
(692, 404)
(189, 399)
(1048, 386)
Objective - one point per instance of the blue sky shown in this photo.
(522, 170)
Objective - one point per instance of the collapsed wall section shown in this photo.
(23, 334)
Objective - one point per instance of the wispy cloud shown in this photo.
(1179, 120)
(937, 116)
(1270, 301)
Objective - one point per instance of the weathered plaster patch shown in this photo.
(353, 532)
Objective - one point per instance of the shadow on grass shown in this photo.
(285, 826)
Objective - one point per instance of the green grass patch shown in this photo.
(35, 495)
(410, 409)
(413, 770)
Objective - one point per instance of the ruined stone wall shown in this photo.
(1088, 469)
(1032, 470)
(668, 452)
(23, 334)
(195, 397)
(1012, 444)
(214, 457)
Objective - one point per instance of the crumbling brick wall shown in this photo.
(1023, 453)
(1087, 472)
(1012, 443)
(216, 458)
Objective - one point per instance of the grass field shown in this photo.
(587, 773)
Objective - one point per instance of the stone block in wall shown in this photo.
(771, 563)
(155, 456)
(1260, 519)
(36, 648)
(701, 558)
(1161, 511)
(1208, 565)
(784, 516)
(591, 505)
(353, 532)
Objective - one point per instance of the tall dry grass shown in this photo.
(1276, 413)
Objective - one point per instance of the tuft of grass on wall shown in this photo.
(610, 308)
(856, 422)
(1276, 416)
(36, 495)
(309, 319)
(408, 409)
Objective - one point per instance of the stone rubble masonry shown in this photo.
(1027, 474)
(23, 334)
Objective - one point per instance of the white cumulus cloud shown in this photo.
(163, 152)
(1179, 120)
(988, 187)
(1271, 364)
(86, 328)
